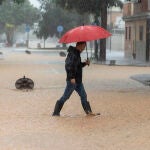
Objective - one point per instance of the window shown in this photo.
(129, 33)
(126, 33)
(141, 33)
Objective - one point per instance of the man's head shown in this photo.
(80, 46)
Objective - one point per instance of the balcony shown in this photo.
(132, 8)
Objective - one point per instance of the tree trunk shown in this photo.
(96, 22)
(96, 50)
(44, 42)
(10, 35)
(102, 53)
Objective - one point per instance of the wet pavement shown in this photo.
(143, 78)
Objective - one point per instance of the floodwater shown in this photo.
(25, 116)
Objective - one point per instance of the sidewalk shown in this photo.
(124, 62)
(112, 57)
(117, 58)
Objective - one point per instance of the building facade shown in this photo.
(136, 14)
(114, 17)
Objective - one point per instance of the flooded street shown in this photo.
(25, 116)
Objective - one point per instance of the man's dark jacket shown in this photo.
(73, 65)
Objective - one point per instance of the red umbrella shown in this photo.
(84, 33)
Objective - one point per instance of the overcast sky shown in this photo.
(35, 3)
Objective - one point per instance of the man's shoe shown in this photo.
(57, 109)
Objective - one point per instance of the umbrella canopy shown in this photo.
(84, 33)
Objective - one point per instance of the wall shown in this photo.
(130, 43)
(116, 42)
(134, 45)
(130, 8)
(141, 7)
(131, 12)
(141, 45)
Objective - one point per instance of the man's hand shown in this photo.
(73, 81)
(87, 62)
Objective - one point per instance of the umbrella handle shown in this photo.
(87, 54)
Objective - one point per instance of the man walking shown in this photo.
(73, 67)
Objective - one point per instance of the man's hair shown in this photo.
(80, 43)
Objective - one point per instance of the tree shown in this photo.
(95, 7)
(12, 15)
(16, 1)
(53, 16)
